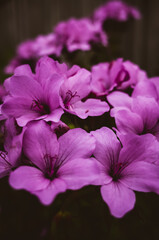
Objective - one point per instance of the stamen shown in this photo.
(116, 170)
(38, 106)
(69, 97)
(51, 168)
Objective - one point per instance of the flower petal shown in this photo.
(91, 107)
(141, 176)
(148, 109)
(119, 99)
(23, 86)
(48, 194)
(79, 172)
(139, 148)
(54, 116)
(146, 89)
(76, 143)
(107, 146)
(119, 198)
(127, 121)
(28, 178)
(24, 70)
(46, 67)
(38, 142)
(19, 107)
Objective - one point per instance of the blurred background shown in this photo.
(25, 19)
(79, 215)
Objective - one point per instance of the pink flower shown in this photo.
(116, 10)
(77, 34)
(117, 74)
(56, 165)
(125, 169)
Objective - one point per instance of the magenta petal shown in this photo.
(119, 99)
(48, 194)
(19, 106)
(139, 148)
(79, 172)
(103, 168)
(102, 82)
(119, 198)
(24, 70)
(107, 146)
(91, 107)
(155, 81)
(148, 109)
(11, 132)
(23, 120)
(54, 116)
(52, 88)
(146, 89)
(72, 71)
(46, 67)
(28, 178)
(23, 86)
(141, 176)
(127, 121)
(15, 149)
(76, 143)
(38, 142)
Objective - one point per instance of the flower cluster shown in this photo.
(55, 157)
(47, 115)
(115, 10)
(73, 34)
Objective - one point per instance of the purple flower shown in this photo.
(138, 115)
(57, 165)
(25, 50)
(116, 10)
(116, 74)
(34, 49)
(74, 89)
(52, 89)
(124, 169)
(77, 34)
(38, 47)
(33, 97)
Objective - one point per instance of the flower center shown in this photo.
(51, 168)
(69, 97)
(39, 107)
(122, 76)
(116, 170)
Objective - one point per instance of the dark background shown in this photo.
(24, 19)
(78, 215)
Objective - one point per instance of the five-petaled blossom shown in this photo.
(135, 166)
(56, 165)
